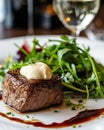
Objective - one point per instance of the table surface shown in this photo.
(14, 32)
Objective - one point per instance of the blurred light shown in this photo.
(67, 19)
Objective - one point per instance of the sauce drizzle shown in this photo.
(82, 117)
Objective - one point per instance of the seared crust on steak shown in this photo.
(31, 95)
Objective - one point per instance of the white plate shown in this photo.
(49, 116)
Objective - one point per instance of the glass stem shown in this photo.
(75, 32)
(30, 17)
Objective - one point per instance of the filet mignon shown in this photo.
(31, 95)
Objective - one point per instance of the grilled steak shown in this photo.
(31, 95)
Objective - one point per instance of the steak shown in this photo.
(31, 95)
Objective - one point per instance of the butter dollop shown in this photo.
(37, 70)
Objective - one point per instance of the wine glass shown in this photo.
(76, 15)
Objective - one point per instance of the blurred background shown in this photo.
(36, 17)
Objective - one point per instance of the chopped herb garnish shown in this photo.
(72, 96)
(80, 101)
(79, 126)
(96, 100)
(56, 111)
(74, 108)
(9, 113)
(74, 126)
(27, 116)
(12, 114)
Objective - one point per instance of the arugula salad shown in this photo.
(79, 71)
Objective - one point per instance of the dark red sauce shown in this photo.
(82, 117)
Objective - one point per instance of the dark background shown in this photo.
(41, 11)
(45, 20)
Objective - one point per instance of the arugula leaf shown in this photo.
(78, 69)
